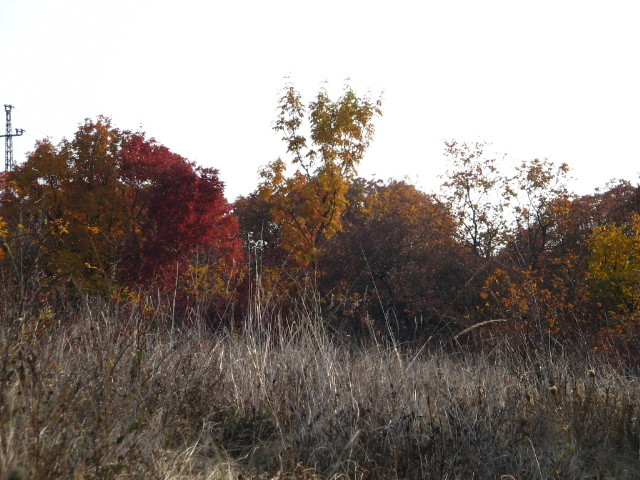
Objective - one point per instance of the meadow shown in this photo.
(109, 390)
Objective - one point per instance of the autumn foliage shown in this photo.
(112, 211)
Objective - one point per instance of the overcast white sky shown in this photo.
(555, 79)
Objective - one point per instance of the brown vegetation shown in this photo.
(111, 391)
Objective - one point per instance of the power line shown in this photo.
(8, 146)
(21, 117)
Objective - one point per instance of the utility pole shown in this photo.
(8, 138)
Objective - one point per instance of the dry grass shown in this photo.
(107, 393)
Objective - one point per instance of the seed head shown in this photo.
(591, 372)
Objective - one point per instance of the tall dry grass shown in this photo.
(106, 391)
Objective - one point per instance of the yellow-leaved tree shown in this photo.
(614, 266)
(307, 206)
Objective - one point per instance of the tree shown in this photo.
(614, 265)
(541, 200)
(614, 280)
(308, 206)
(111, 207)
(396, 259)
(477, 194)
(173, 210)
(545, 281)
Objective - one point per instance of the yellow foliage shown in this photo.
(308, 206)
(59, 226)
(309, 209)
(614, 264)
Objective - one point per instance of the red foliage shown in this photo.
(112, 208)
(175, 208)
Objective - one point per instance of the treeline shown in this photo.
(113, 212)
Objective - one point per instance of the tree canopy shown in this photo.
(112, 207)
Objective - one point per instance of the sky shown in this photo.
(547, 79)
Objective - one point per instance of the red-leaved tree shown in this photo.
(112, 208)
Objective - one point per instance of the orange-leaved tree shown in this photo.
(536, 283)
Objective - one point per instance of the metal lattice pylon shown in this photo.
(8, 138)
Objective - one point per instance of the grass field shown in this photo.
(109, 392)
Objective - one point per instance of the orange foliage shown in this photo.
(110, 207)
